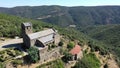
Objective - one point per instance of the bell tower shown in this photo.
(26, 28)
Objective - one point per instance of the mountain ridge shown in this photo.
(65, 16)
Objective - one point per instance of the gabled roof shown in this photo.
(75, 50)
(27, 24)
(40, 34)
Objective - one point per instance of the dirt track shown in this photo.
(10, 43)
(112, 63)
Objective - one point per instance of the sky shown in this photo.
(13, 3)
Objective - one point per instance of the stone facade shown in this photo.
(26, 28)
(77, 56)
(41, 40)
(46, 55)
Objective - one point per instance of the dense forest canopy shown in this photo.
(109, 34)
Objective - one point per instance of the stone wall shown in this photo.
(80, 55)
(57, 39)
(47, 55)
(26, 41)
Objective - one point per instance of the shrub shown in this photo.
(17, 62)
(53, 45)
(67, 57)
(105, 66)
(63, 51)
(49, 47)
(70, 45)
(60, 43)
(2, 65)
(33, 54)
(53, 64)
(88, 61)
(18, 52)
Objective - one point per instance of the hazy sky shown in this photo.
(13, 3)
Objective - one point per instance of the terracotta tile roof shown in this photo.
(75, 50)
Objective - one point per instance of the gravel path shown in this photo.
(112, 64)
(10, 43)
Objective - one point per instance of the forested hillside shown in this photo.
(64, 16)
(10, 27)
(109, 34)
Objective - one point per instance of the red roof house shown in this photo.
(76, 52)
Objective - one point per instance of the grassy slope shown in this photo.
(109, 34)
(88, 61)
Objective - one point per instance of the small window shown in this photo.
(27, 27)
(53, 36)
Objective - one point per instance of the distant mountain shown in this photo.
(64, 16)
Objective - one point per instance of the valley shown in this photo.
(96, 29)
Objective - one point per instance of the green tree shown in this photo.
(53, 46)
(33, 54)
(70, 45)
(105, 66)
(1, 65)
(67, 57)
(60, 43)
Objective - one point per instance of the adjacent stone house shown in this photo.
(76, 52)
